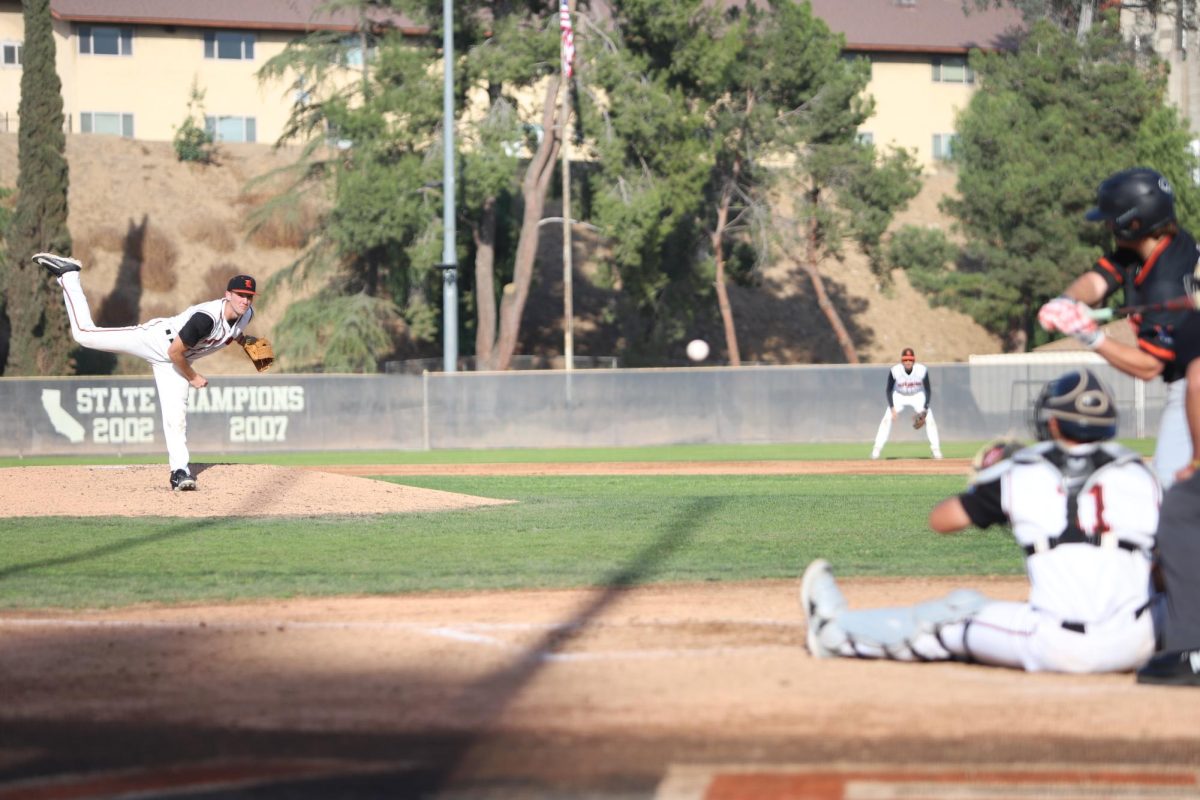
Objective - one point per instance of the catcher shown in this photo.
(1084, 510)
(169, 345)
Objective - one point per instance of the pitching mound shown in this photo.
(225, 490)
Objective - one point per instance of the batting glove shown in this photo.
(1066, 315)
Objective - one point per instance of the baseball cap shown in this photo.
(242, 284)
(908, 353)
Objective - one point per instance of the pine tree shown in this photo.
(39, 338)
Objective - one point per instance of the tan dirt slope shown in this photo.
(121, 189)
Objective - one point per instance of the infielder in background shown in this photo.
(1153, 261)
(168, 345)
(1178, 616)
(908, 387)
(1085, 512)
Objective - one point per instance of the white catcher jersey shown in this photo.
(1086, 518)
(223, 331)
(909, 383)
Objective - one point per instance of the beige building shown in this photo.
(1169, 36)
(919, 75)
(128, 66)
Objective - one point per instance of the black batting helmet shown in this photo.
(1084, 407)
(1136, 201)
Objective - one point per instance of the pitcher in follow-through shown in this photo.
(908, 387)
(169, 345)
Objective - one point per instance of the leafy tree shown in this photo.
(849, 192)
(193, 142)
(652, 164)
(1046, 125)
(369, 149)
(512, 50)
(39, 340)
(756, 87)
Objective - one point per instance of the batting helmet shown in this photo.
(1084, 407)
(1136, 201)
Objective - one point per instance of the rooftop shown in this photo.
(289, 15)
(924, 26)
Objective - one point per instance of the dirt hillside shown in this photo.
(132, 201)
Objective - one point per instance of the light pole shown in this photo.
(449, 263)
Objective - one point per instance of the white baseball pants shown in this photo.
(899, 402)
(148, 342)
(1006, 634)
(1173, 450)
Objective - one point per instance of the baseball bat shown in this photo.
(1185, 302)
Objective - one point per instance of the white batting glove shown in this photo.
(1066, 315)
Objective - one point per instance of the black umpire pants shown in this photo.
(1179, 562)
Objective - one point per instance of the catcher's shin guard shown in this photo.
(905, 633)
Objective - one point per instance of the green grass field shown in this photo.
(562, 532)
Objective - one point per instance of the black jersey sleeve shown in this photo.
(196, 328)
(891, 387)
(1116, 267)
(928, 390)
(982, 504)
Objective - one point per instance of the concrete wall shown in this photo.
(584, 408)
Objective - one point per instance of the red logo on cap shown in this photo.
(248, 284)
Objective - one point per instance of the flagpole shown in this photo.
(568, 53)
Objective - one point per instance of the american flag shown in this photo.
(568, 38)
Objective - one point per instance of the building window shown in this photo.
(11, 52)
(103, 40)
(113, 124)
(231, 129)
(944, 145)
(952, 69)
(229, 45)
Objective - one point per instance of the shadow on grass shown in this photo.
(180, 527)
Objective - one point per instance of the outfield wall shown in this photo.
(582, 408)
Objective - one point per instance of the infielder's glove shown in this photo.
(919, 419)
(260, 352)
(994, 452)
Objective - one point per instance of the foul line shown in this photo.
(471, 633)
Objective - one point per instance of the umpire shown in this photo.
(1178, 620)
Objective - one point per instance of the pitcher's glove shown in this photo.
(259, 351)
(919, 419)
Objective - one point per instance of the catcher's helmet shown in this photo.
(1136, 201)
(1084, 407)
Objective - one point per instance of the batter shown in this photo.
(1154, 261)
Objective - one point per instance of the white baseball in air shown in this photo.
(697, 350)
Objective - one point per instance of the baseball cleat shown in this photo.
(181, 481)
(822, 601)
(1172, 669)
(59, 265)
